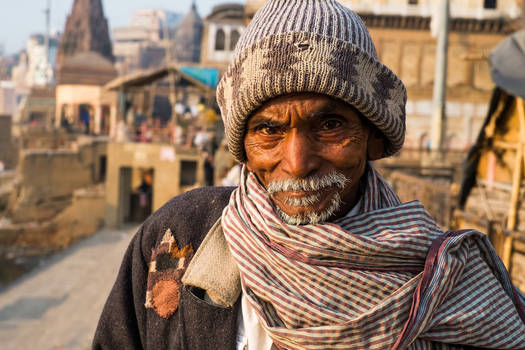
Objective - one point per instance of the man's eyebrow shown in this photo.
(260, 118)
(329, 108)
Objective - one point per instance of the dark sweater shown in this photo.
(126, 323)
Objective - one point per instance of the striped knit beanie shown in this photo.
(318, 46)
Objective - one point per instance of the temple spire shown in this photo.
(86, 31)
(188, 37)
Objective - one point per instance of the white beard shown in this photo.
(312, 218)
(313, 183)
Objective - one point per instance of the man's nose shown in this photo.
(299, 158)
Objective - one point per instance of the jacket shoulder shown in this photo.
(189, 216)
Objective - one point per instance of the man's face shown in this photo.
(309, 151)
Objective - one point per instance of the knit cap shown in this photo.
(317, 46)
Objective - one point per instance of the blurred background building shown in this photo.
(188, 36)
(85, 64)
(222, 29)
(142, 44)
(40, 60)
(479, 9)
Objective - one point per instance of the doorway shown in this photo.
(136, 194)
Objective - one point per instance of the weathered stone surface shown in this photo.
(175, 170)
(58, 305)
(83, 216)
(410, 65)
(7, 149)
(8, 181)
(48, 179)
(459, 69)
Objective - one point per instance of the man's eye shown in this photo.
(267, 129)
(331, 124)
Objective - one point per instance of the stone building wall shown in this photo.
(410, 53)
(48, 179)
(7, 149)
(82, 217)
(175, 170)
(458, 8)
(37, 108)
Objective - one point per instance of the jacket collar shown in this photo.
(214, 270)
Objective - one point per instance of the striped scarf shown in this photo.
(387, 278)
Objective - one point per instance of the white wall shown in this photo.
(227, 54)
(7, 98)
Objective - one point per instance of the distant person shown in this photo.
(177, 134)
(313, 250)
(145, 192)
(85, 119)
(201, 139)
(208, 169)
(65, 124)
(145, 133)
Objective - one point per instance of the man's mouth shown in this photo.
(301, 198)
(305, 192)
(313, 208)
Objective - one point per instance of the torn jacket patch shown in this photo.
(166, 268)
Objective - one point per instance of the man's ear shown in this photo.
(376, 144)
(247, 164)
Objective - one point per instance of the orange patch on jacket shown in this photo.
(165, 297)
(166, 268)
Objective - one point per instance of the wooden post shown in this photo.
(171, 73)
(151, 106)
(520, 106)
(511, 220)
(516, 185)
(439, 116)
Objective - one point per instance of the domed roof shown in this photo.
(188, 37)
(228, 12)
(86, 68)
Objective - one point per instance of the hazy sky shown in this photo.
(21, 18)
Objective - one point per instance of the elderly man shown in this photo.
(313, 250)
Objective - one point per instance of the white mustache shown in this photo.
(302, 201)
(312, 183)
